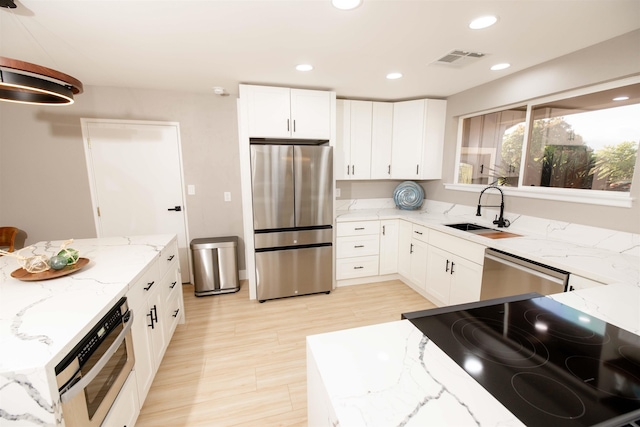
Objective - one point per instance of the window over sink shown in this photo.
(580, 146)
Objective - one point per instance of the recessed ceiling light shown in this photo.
(500, 66)
(620, 98)
(346, 4)
(393, 76)
(304, 67)
(483, 22)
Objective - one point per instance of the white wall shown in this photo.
(44, 187)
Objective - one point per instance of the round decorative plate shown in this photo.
(24, 275)
(408, 195)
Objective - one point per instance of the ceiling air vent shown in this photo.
(458, 58)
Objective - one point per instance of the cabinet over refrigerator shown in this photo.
(292, 194)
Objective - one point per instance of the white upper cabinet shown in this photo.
(418, 138)
(363, 140)
(353, 140)
(381, 138)
(275, 112)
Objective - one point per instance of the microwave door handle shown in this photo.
(86, 379)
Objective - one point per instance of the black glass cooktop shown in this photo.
(548, 363)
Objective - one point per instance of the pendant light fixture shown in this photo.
(26, 83)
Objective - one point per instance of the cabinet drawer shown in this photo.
(141, 288)
(460, 247)
(357, 228)
(354, 246)
(168, 257)
(350, 268)
(170, 283)
(420, 232)
(173, 313)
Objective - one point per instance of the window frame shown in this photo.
(595, 197)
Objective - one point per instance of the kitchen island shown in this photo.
(393, 374)
(41, 321)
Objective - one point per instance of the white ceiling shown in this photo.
(196, 45)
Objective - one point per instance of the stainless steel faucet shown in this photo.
(500, 221)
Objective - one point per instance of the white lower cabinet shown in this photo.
(126, 408)
(357, 249)
(412, 253)
(157, 304)
(454, 270)
(389, 231)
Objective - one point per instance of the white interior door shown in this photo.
(135, 173)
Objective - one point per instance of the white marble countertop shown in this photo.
(391, 374)
(598, 254)
(41, 321)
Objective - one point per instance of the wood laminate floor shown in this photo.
(236, 362)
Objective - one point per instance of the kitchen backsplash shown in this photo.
(603, 238)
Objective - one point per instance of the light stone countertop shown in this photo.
(41, 321)
(598, 254)
(391, 374)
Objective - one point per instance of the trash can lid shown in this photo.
(214, 242)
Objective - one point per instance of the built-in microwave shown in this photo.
(90, 377)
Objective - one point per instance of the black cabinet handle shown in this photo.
(357, 268)
(150, 316)
(173, 284)
(418, 232)
(411, 249)
(177, 209)
(288, 125)
(359, 228)
(417, 169)
(294, 125)
(383, 230)
(155, 313)
(389, 170)
(452, 264)
(353, 170)
(571, 288)
(175, 314)
(359, 246)
(150, 285)
(481, 168)
(348, 170)
(171, 257)
(446, 269)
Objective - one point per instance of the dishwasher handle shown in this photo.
(533, 269)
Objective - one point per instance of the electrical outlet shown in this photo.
(227, 196)
(337, 192)
(191, 190)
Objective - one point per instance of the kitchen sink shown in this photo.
(467, 226)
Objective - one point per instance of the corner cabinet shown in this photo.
(275, 112)
(418, 139)
(454, 269)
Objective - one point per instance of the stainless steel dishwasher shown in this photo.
(505, 274)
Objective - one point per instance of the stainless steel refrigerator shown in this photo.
(292, 191)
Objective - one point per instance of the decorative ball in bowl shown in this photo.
(408, 195)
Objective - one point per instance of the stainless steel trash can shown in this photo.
(215, 265)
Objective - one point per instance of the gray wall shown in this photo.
(613, 59)
(44, 187)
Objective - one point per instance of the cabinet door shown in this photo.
(269, 112)
(126, 407)
(159, 341)
(438, 281)
(342, 150)
(433, 139)
(404, 249)
(466, 279)
(389, 233)
(419, 257)
(381, 140)
(310, 114)
(361, 115)
(143, 351)
(408, 125)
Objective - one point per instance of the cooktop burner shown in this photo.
(548, 363)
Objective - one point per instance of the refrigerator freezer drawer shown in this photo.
(278, 239)
(291, 272)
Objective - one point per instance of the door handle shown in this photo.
(177, 209)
